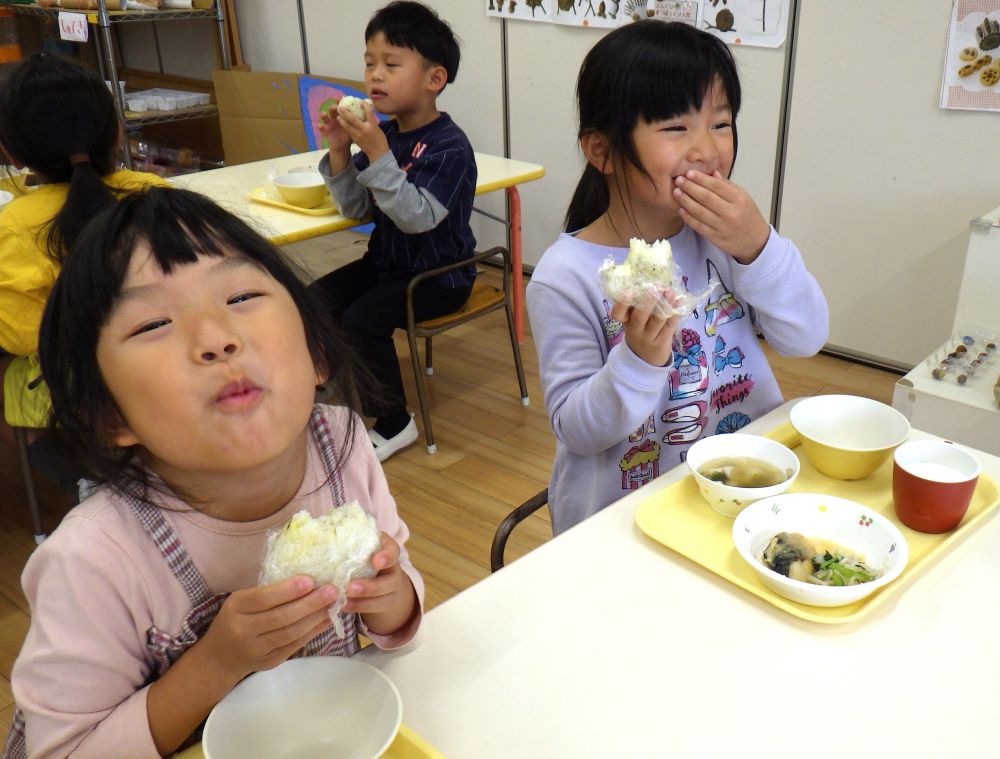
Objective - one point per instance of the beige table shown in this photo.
(230, 187)
(602, 643)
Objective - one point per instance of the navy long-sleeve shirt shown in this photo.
(420, 197)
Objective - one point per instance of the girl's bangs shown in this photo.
(669, 82)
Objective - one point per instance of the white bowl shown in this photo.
(847, 437)
(729, 500)
(5, 197)
(855, 527)
(316, 706)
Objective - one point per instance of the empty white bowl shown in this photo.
(315, 706)
(730, 500)
(5, 198)
(855, 527)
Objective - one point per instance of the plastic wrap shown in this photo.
(354, 105)
(333, 549)
(649, 279)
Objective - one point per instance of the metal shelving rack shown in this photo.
(103, 19)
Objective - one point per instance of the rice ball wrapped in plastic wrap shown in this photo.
(333, 549)
(354, 105)
(649, 279)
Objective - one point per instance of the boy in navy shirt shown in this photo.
(415, 176)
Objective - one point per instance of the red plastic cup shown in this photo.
(932, 484)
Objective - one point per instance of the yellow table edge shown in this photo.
(501, 184)
(786, 435)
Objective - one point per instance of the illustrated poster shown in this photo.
(971, 78)
(761, 23)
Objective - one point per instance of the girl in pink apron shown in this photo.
(182, 355)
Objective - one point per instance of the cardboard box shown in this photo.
(260, 113)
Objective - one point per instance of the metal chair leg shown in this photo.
(511, 521)
(29, 484)
(418, 375)
(428, 361)
(518, 365)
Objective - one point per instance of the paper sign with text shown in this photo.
(73, 27)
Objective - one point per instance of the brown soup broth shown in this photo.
(743, 472)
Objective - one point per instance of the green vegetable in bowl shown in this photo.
(835, 568)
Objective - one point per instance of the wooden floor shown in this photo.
(493, 454)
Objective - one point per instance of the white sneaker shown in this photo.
(384, 448)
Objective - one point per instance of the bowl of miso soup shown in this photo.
(734, 470)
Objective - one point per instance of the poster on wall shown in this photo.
(761, 23)
(971, 78)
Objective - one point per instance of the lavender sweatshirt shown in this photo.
(620, 422)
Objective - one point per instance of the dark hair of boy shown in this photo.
(57, 118)
(650, 70)
(178, 226)
(417, 27)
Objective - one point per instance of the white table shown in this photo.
(602, 643)
(230, 188)
(967, 414)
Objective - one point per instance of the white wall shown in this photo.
(543, 63)
(880, 183)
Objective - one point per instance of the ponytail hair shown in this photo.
(58, 118)
(651, 71)
(590, 199)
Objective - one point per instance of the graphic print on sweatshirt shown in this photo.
(723, 309)
(614, 330)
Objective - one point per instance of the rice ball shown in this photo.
(354, 105)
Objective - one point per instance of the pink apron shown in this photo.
(165, 648)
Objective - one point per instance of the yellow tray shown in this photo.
(679, 518)
(408, 745)
(327, 207)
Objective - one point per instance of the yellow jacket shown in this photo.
(27, 275)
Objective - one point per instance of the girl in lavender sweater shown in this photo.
(627, 391)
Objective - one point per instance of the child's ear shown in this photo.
(437, 78)
(597, 151)
(123, 437)
(115, 430)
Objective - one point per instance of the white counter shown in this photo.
(967, 414)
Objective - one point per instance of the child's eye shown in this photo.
(243, 297)
(674, 128)
(150, 326)
(724, 125)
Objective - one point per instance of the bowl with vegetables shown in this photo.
(734, 470)
(818, 549)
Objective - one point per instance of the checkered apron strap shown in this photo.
(169, 545)
(14, 747)
(328, 451)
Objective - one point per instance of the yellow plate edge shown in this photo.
(409, 745)
(258, 195)
(786, 435)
